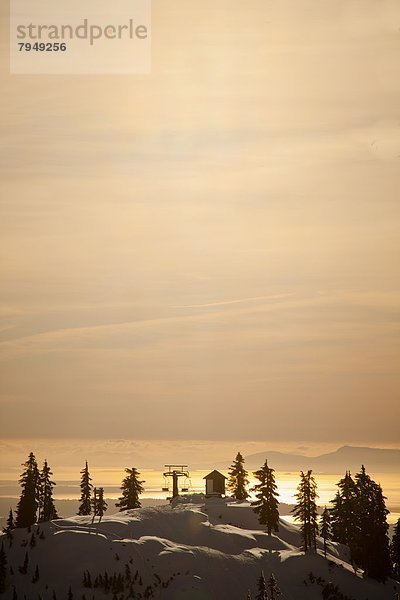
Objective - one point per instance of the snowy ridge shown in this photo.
(195, 549)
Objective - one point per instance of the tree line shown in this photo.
(36, 502)
(267, 589)
(357, 516)
(92, 499)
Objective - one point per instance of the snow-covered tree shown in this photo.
(28, 502)
(86, 492)
(305, 510)
(238, 479)
(47, 510)
(273, 588)
(262, 588)
(131, 488)
(325, 527)
(395, 551)
(266, 505)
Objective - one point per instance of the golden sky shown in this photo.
(210, 251)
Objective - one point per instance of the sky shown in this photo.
(211, 251)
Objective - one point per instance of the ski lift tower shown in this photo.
(176, 471)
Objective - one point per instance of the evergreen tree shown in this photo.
(371, 549)
(238, 478)
(10, 525)
(343, 511)
(86, 491)
(47, 510)
(305, 510)
(378, 566)
(262, 588)
(28, 502)
(362, 516)
(24, 569)
(273, 588)
(266, 505)
(3, 570)
(93, 504)
(36, 575)
(326, 527)
(98, 503)
(395, 551)
(88, 580)
(70, 594)
(131, 489)
(330, 591)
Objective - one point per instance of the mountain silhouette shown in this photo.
(344, 458)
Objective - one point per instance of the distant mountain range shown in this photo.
(345, 458)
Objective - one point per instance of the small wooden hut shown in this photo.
(215, 484)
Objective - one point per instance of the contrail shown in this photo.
(239, 301)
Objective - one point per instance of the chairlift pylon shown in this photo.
(174, 472)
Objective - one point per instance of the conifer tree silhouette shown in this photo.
(371, 547)
(28, 502)
(273, 588)
(3, 570)
(266, 505)
(305, 510)
(131, 488)
(343, 511)
(325, 527)
(98, 503)
(10, 525)
(86, 491)
(238, 479)
(262, 588)
(395, 551)
(24, 568)
(47, 509)
(36, 575)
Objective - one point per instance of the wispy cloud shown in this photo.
(237, 301)
(340, 305)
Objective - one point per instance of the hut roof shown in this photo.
(215, 475)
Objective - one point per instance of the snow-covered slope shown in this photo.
(196, 549)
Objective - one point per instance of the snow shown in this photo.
(202, 549)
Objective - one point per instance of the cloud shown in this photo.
(239, 301)
(355, 316)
